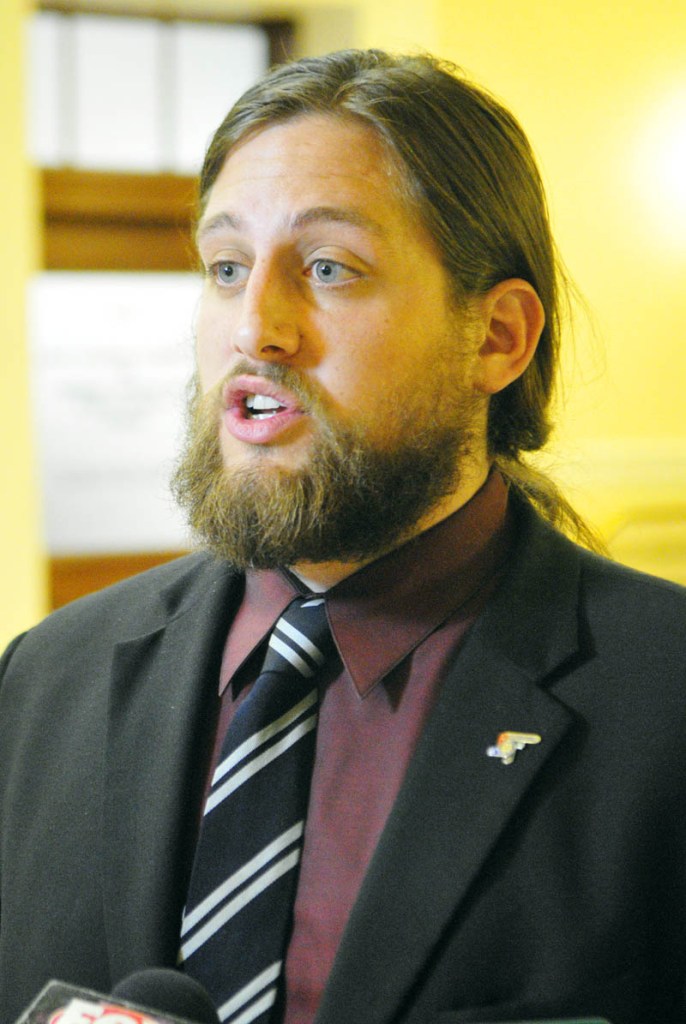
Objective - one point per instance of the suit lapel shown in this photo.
(456, 802)
(162, 715)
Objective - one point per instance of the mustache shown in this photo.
(308, 394)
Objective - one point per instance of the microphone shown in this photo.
(153, 996)
(169, 991)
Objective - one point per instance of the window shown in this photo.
(120, 111)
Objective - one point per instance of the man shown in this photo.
(495, 826)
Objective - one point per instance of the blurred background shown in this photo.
(106, 108)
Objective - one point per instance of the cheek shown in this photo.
(353, 377)
(370, 395)
(210, 351)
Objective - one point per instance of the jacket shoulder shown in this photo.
(546, 545)
(554, 578)
(128, 608)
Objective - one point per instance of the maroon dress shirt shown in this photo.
(397, 623)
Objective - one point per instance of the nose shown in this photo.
(268, 323)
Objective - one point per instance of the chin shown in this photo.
(277, 457)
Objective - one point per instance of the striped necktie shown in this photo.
(238, 914)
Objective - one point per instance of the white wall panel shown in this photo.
(111, 356)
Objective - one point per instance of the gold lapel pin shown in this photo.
(508, 743)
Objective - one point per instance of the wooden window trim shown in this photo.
(75, 575)
(100, 220)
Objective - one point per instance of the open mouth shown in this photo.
(260, 412)
(261, 407)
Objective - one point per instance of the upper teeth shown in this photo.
(262, 404)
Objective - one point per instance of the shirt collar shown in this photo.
(267, 594)
(383, 611)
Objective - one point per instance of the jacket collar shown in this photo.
(162, 713)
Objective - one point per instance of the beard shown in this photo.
(353, 501)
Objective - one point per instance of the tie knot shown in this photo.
(301, 640)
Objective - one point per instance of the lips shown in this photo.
(257, 411)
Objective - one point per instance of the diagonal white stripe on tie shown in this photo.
(260, 762)
(237, 879)
(303, 642)
(230, 910)
(291, 656)
(263, 735)
(254, 1011)
(249, 992)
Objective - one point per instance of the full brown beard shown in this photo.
(352, 501)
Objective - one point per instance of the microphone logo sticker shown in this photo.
(80, 1011)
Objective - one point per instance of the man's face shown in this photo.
(325, 331)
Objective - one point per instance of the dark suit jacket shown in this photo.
(553, 886)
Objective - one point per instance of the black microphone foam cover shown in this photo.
(168, 991)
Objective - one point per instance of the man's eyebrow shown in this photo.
(227, 221)
(220, 222)
(337, 215)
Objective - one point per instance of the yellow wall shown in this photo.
(21, 561)
(600, 86)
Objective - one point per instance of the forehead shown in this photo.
(315, 160)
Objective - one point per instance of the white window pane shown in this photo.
(214, 65)
(45, 128)
(117, 117)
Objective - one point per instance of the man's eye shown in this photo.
(226, 272)
(330, 272)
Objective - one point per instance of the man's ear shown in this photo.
(513, 318)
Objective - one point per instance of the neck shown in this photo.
(321, 576)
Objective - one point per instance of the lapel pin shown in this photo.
(508, 743)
